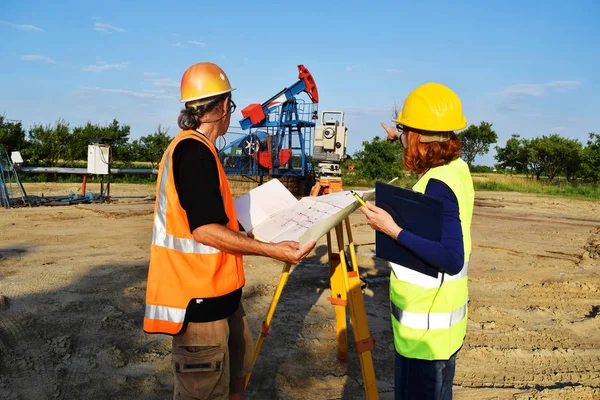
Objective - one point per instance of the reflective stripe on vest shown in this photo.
(160, 237)
(426, 281)
(181, 268)
(163, 239)
(428, 321)
(175, 315)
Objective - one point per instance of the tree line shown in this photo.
(56, 143)
(549, 156)
(552, 156)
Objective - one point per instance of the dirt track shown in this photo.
(72, 284)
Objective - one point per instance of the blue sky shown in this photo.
(529, 67)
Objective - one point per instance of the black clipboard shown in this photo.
(417, 213)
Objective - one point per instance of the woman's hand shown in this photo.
(392, 132)
(381, 220)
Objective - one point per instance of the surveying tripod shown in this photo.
(345, 291)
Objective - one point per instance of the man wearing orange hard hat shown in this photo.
(196, 272)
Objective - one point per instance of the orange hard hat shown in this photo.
(203, 80)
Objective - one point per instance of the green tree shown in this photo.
(554, 155)
(476, 140)
(571, 158)
(131, 152)
(49, 143)
(152, 147)
(12, 135)
(590, 158)
(118, 135)
(81, 137)
(379, 159)
(532, 161)
(513, 155)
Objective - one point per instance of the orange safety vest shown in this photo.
(181, 268)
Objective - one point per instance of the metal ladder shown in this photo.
(12, 192)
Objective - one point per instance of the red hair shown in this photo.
(419, 156)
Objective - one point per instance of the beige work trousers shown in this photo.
(208, 355)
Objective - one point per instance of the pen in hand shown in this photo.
(357, 197)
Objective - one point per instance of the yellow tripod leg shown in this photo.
(360, 327)
(351, 245)
(267, 321)
(339, 300)
(363, 341)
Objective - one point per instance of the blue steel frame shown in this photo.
(282, 122)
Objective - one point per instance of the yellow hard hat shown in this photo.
(203, 80)
(432, 107)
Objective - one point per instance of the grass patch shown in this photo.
(71, 178)
(502, 183)
(351, 180)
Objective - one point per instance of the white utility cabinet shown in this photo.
(98, 159)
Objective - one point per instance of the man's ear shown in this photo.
(226, 105)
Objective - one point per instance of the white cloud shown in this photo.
(124, 92)
(356, 67)
(155, 91)
(393, 70)
(202, 44)
(31, 28)
(106, 28)
(149, 74)
(37, 57)
(102, 66)
(540, 89)
(178, 44)
(165, 82)
(518, 98)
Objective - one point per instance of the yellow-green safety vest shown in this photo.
(429, 315)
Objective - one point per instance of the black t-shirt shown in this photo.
(197, 183)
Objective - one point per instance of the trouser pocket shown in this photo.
(200, 372)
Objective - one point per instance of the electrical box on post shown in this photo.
(16, 157)
(98, 159)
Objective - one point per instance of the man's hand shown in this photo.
(290, 251)
(224, 239)
(392, 133)
(381, 220)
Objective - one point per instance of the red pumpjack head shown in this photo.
(311, 86)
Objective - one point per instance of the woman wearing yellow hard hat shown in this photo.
(429, 314)
(196, 272)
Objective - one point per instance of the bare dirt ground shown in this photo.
(72, 286)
